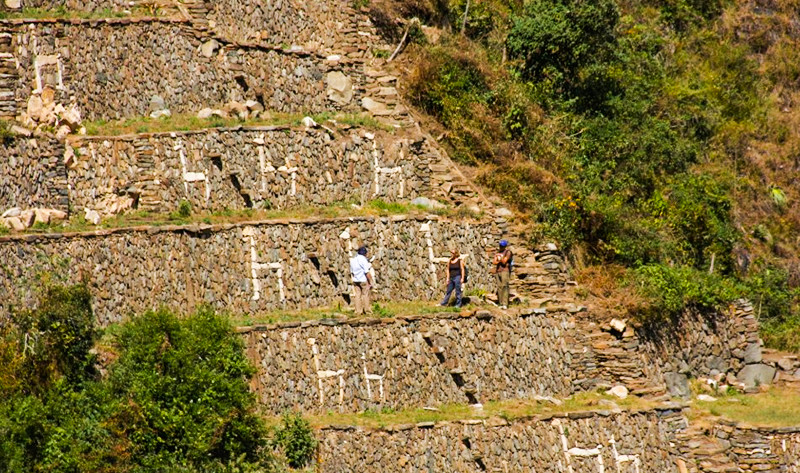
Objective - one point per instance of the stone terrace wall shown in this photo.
(111, 68)
(727, 446)
(244, 268)
(720, 345)
(233, 168)
(501, 357)
(275, 167)
(498, 446)
(32, 174)
(77, 5)
(446, 358)
(762, 449)
(332, 25)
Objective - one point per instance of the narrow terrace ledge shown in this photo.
(197, 228)
(665, 410)
(480, 314)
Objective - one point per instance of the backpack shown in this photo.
(466, 274)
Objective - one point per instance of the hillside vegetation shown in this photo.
(655, 140)
(159, 393)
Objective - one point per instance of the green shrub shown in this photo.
(176, 398)
(556, 38)
(669, 291)
(57, 337)
(296, 440)
(184, 382)
(382, 311)
(782, 333)
(184, 209)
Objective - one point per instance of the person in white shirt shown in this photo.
(362, 281)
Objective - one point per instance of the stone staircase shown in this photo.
(466, 382)
(617, 358)
(702, 452)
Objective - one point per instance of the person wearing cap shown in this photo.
(362, 281)
(502, 268)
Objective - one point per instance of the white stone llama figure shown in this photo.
(257, 267)
(623, 459)
(325, 374)
(372, 377)
(569, 453)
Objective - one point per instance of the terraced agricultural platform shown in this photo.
(363, 147)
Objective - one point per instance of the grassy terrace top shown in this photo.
(383, 312)
(38, 15)
(142, 220)
(774, 409)
(188, 122)
(493, 411)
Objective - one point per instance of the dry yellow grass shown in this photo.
(777, 407)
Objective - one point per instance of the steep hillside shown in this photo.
(655, 140)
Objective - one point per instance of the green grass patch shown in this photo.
(381, 309)
(64, 13)
(184, 214)
(508, 410)
(188, 122)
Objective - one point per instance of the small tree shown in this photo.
(56, 338)
(296, 439)
(562, 36)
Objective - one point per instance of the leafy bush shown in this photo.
(184, 383)
(296, 440)
(184, 209)
(56, 337)
(176, 398)
(782, 333)
(556, 38)
(672, 290)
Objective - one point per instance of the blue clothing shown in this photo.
(453, 283)
(359, 267)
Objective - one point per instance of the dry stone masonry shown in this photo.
(312, 57)
(112, 68)
(331, 26)
(231, 266)
(646, 441)
(475, 357)
(231, 168)
(253, 167)
(32, 174)
(78, 5)
(582, 442)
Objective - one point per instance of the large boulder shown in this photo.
(340, 88)
(427, 203)
(677, 385)
(756, 375)
(752, 353)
